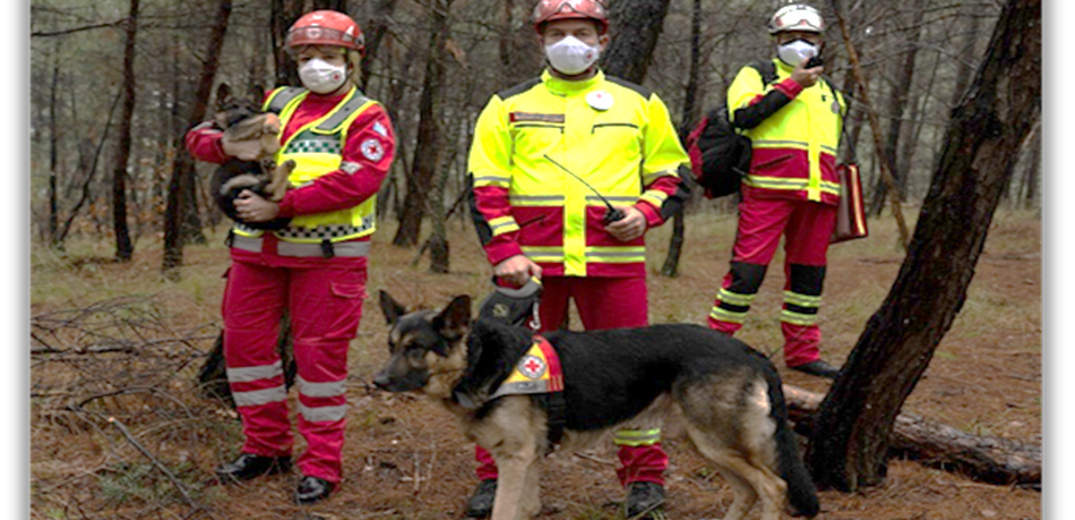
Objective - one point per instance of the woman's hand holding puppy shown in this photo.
(254, 208)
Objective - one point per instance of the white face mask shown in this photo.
(321, 76)
(571, 56)
(796, 51)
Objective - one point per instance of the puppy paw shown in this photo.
(279, 185)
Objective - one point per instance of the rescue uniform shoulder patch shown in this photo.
(371, 149)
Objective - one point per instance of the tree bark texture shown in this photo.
(1029, 189)
(518, 48)
(284, 14)
(910, 144)
(990, 459)
(180, 196)
(439, 253)
(675, 244)
(54, 218)
(335, 5)
(375, 30)
(855, 423)
(124, 247)
(427, 149)
(635, 27)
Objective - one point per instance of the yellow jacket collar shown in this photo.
(784, 67)
(564, 87)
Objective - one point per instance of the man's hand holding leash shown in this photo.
(517, 270)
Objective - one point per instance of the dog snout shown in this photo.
(382, 380)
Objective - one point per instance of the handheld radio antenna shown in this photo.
(613, 214)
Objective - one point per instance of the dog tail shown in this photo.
(802, 494)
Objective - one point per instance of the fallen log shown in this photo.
(984, 458)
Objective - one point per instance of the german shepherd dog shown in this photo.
(242, 120)
(728, 396)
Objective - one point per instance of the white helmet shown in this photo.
(797, 17)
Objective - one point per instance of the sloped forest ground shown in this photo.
(118, 429)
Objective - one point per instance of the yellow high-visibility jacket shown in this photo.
(795, 145)
(613, 135)
(317, 148)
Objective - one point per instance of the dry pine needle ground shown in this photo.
(134, 354)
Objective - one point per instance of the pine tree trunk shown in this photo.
(854, 427)
(637, 26)
(1033, 171)
(420, 180)
(439, 253)
(124, 247)
(54, 218)
(375, 31)
(675, 245)
(284, 14)
(180, 194)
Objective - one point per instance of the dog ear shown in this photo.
(223, 92)
(454, 320)
(256, 93)
(391, 308)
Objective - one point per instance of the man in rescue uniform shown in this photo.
(546, 156)
(343, 144)
(792, 187)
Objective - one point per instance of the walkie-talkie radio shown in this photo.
(612, 214)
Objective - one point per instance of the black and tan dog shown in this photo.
(727, 394)
(242, 120)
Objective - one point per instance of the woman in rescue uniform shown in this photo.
(315, 268)
(547, 155)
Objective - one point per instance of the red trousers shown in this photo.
(324, 301)
(602, 303)
(806, 227)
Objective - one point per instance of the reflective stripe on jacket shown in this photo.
(317, 150)
(795, 147)
(616, 136)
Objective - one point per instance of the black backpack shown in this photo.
(720, 155)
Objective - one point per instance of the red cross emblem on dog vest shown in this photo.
(537, 372)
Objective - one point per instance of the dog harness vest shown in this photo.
(537, 372)
(317, 150)
(794, 149)
(544, 159)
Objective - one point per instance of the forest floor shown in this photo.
(119, 341)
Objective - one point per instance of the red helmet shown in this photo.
(548, 10)
(326, 27)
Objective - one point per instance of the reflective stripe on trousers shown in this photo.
(350, 248)
(324, 305)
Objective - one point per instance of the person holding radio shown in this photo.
(794, 123)
(568, 172)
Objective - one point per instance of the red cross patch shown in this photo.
(372, 149)
(532, 367)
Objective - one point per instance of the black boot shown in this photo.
(313, 489)
(644, 500)
(248, 466)
(480, 504)
(818, 368)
